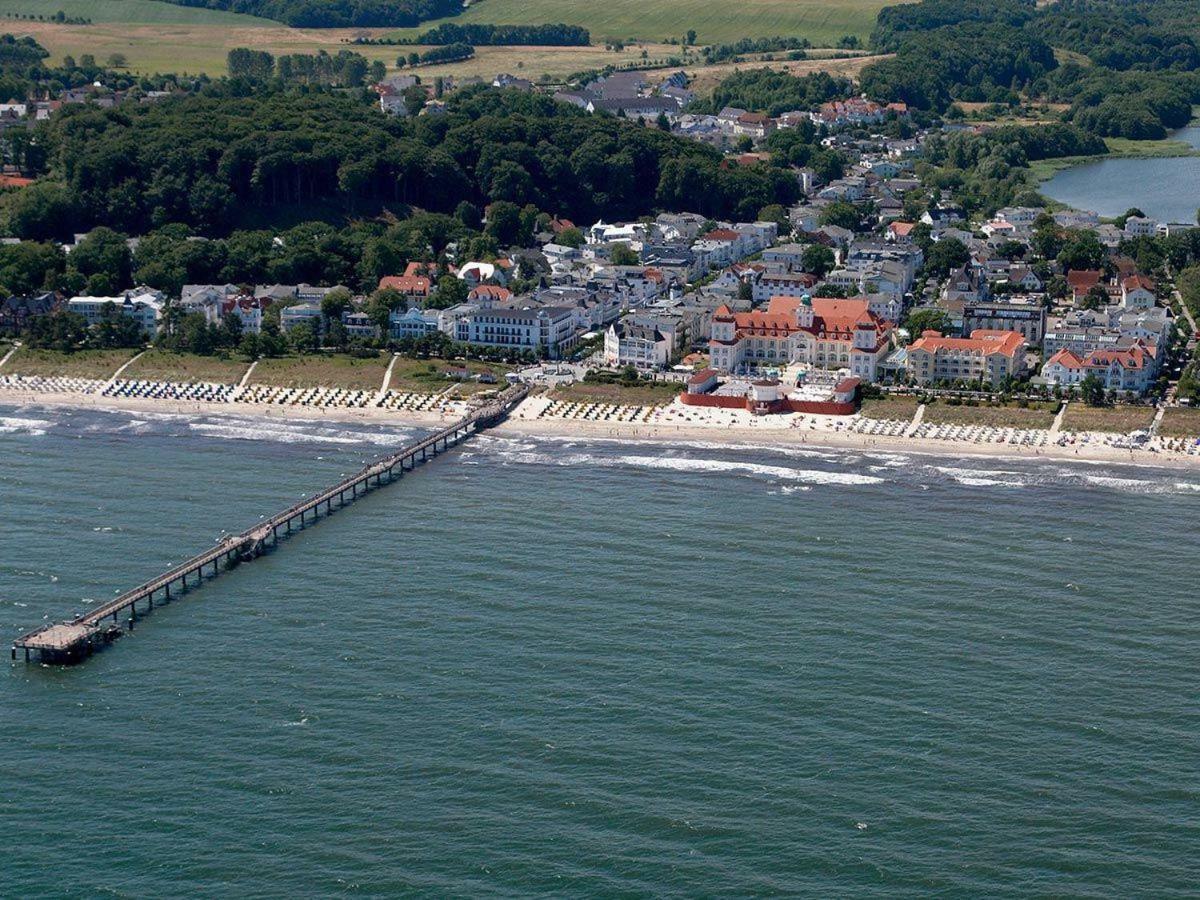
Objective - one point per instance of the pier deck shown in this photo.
(75, 640)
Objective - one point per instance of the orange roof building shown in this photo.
(1130, 370)
(821, 332)
(410, 284)
(987, 355)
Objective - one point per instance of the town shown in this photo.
(862, 289)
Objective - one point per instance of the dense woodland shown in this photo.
(775, 92)
(1140, 78)
(557, 35)
(337, 13)
(221, 159)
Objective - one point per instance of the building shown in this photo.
(207, 299)
(1024, 315)
(144, 308)
(291, 316)
(248, 310)
(630, 344)
(988, 356)
(821, 332)
(17, 312)
(547, 331)
(1129, 370)
(413, 283)
(1137, 292)
(782, 285)
(1081, 281)
(412, 323)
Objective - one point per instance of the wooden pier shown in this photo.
(73, 641)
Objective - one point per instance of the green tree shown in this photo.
(1095, 298)
(624, 255)
(1091, 389)
(302, 337)
(1082, 250)
(103, 255)
(841, 214)
(927, 319)
(570, 237)
(817, 259)
(945, 255)
(414, 99)
(334, 303)
(504, 223)
(450, 291)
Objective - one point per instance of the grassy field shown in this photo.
(428, 375)
(97, 364)
(322, 371)
(890, 408)
(136, 12)
(162, 37)
(648, 393)
(192, 48)
(821, 21)
(163, 365)
(1116, 419)
(1180, 423)
(1041, 416)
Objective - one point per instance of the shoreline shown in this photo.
(765, 433)
(370, 415)
(768, 438)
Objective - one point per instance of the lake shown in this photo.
(1166, 189)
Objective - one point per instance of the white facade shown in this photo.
(145, 309)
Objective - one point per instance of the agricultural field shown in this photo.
(128, 12)
(188, 368)
(162, 37)
(1035, 416)
(705, 78)
(322, 371)
(1115, 419)
(95, 364)
(646, 393)
(1179, 422)
(821, 21)
(897, 408)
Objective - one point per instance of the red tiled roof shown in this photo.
(490, 290)
(406, 284)
(982, 340)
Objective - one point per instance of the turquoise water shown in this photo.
(596, 669)
(1166, 189)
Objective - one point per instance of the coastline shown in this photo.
(744, 430)
(371, 415)
(769, 437)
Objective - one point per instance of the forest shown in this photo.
(337, 13)
(221, 160)
(558, 35)
(1140, 79)
(774, 92)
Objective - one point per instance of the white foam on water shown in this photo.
(294, 433)
(982, 477)
(521, 455)
(20, 425)
(686, 464)
(986, 482)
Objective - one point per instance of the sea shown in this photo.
(576, 668)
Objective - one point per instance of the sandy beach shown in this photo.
(192, 407)
(666, 424)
